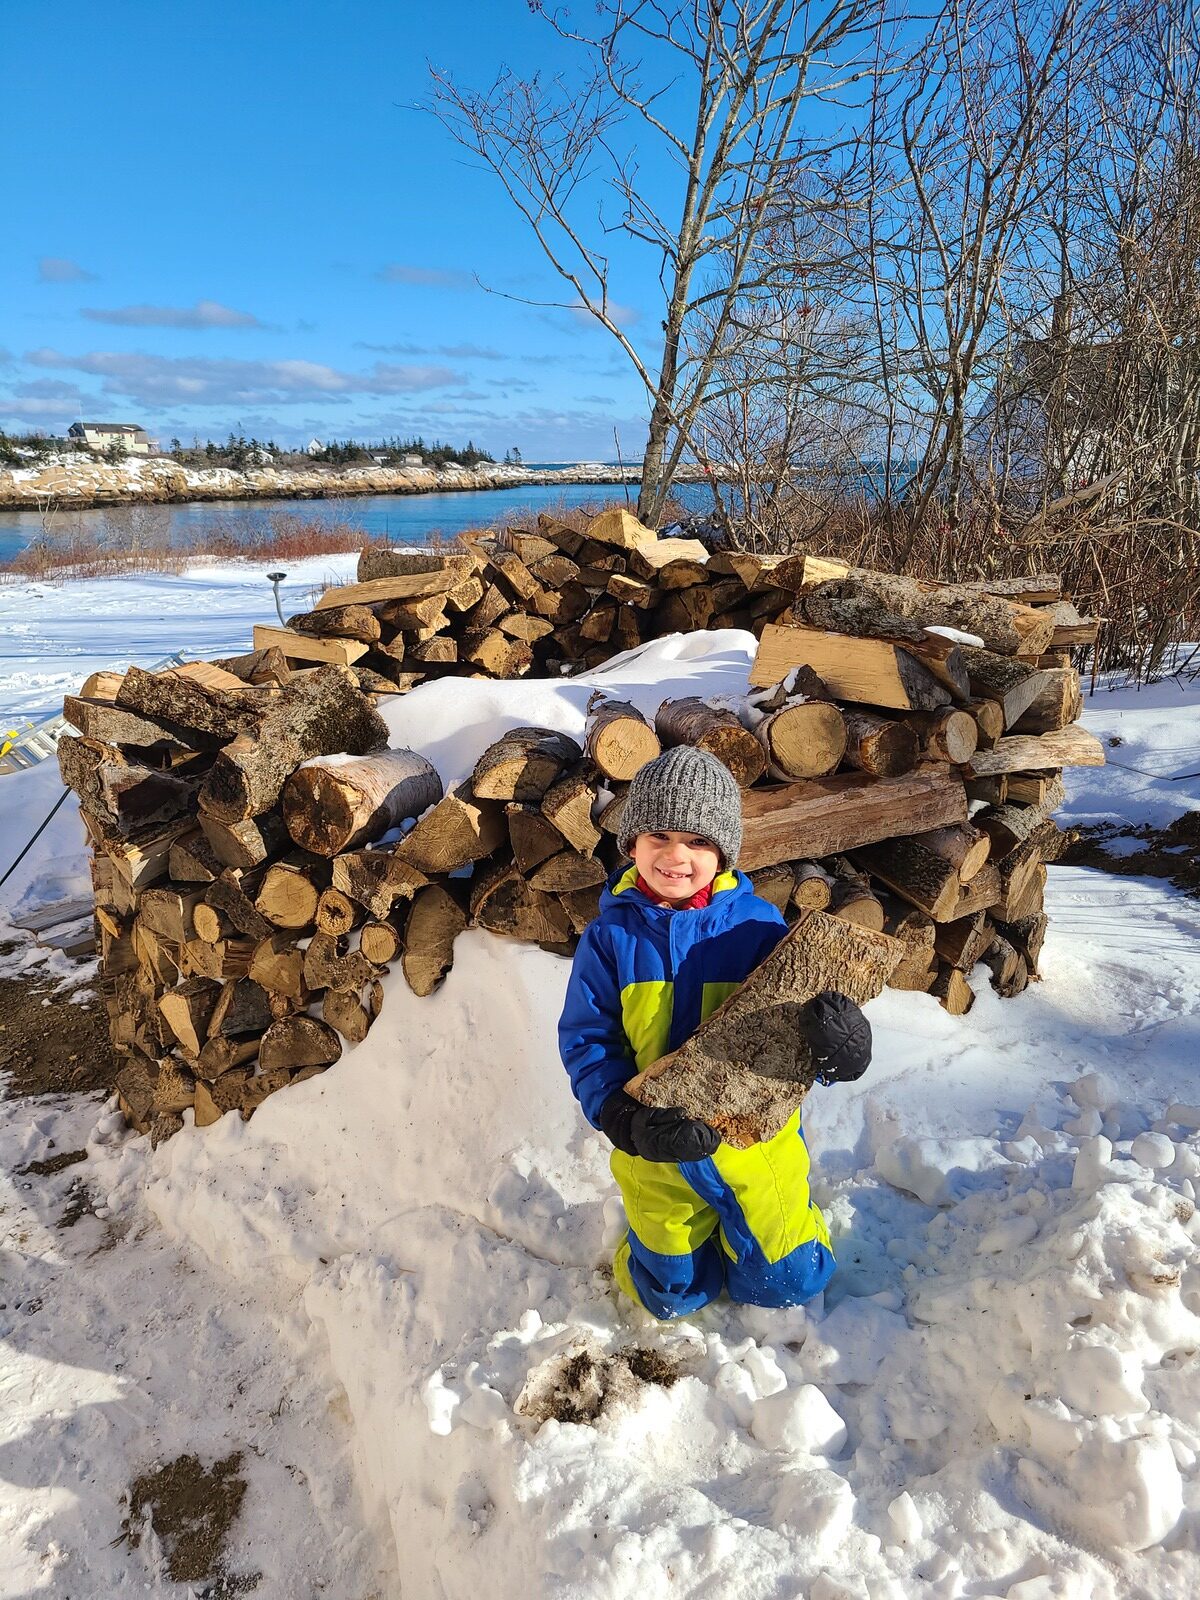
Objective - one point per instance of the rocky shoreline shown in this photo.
(84, 483)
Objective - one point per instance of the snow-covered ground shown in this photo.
(1000, 1396)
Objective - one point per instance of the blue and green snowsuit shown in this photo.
(643, 979)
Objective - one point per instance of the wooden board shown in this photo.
(408, 586)
(820, 817)
(307, 646)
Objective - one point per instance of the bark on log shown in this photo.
(915, 873)
(852, 902)
(954, 992)
(384, 561)
(344, 622)
(1012, 684)
(821, 817)
(125, 795)
(298, 1042)
(336, 803)
(1070, 747)
(962, 943)
(746, 1069)
(106, 723)
(523, 764)
(227, 896)
(1027, 936)
(619, 740)
(882, 748)
(210, 717)
(434, 923)
(965, 847)
(868, 602)
(241, 1008)
(1010, 975)
(989, 721)
(691, 722)
(260, 668)
(314, 715)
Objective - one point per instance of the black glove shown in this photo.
(838, 1035)
(656, 1133)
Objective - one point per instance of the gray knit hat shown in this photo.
(685, 791)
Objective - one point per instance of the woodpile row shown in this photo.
(257, 866)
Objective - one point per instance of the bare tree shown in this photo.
(720, 91)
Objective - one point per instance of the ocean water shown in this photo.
(398, 518)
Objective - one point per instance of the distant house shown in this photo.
(410, 460)
(381, 457)
(102, 435)
(313, 447)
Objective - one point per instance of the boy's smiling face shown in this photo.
(676, 865)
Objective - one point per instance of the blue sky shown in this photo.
(227, 219)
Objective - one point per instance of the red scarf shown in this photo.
(697, 903)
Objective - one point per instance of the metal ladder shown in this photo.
(40, 739)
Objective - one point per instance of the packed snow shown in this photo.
(998, 1398)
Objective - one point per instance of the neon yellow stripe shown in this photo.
(770, 1183)
(627, 880)
(646, 1009)
(663, 1209)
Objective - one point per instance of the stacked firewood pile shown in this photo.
(262, 857)
(561, 599)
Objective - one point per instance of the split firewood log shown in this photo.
(458, 830)
(1068, 747)
(327, 966)
(187, 1011)
(962, 943)
(1027, 936)
(867, 602)
(386, 561)
(336, 803)
(803, 738)
(1012, 684)
(278, 966)
(298, 1041)
(348, 1014)
(852, 901)
(523, 764)
(242, 1008)
(106, 723)
(226, 896)
(376, 879)
(1058, 703)
(259, 668)
(504, 903)
(867, 671)
(964, 846)
(379, 942)
(193, 860)
(1010, 975)
(582, 906)
(619, 740)
(209, 717)
(884, 749)
(774, 885)
(344, 622)
(566, 872)
(533, 837)
(819, 817)
(245, 844)
(434, 923)
(222, 1055)
(691, 721)
(813, 886)
(569, 804)
(746, 1069)
(988, 717)
(287, 896)
(952, 989)
(126, 795)
(916, 873)
(950, 735)
(313, 715)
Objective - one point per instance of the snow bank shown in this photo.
(998, 1397)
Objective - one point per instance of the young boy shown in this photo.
(678, 931)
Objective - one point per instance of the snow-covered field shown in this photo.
(1000, 1396)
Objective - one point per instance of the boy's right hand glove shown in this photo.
(656, 1133)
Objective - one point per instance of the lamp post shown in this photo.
(276, 579)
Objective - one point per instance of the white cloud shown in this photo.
(57, 269)
(204, 314)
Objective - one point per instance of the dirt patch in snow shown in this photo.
(1137, 850)
(50, 1045)
(190, 1509)
(582, 1385)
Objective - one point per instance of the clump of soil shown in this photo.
(1172, 852)
(582, 1385)
(191, 1509)
(52, 1164)
(58, 1048)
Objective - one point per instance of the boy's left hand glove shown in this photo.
(839, 1037)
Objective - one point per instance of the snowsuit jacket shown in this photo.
(643, 979)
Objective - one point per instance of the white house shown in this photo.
(313, 447)
(102, 435)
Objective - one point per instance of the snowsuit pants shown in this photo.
(742, 1220)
